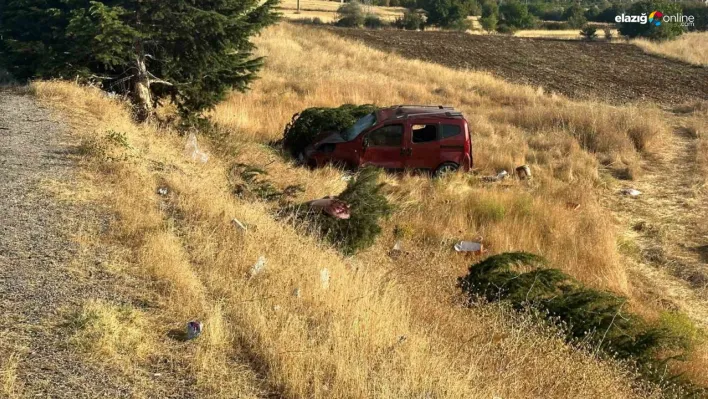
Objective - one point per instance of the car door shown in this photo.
(423, 145)
(383, 147)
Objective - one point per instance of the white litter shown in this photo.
(523, 172)
(162, 191)
(296, 292)
(259, 266)
(469, 246)
(324, 278)
(191, 150)
(238, 224)
(630, 191)
(501, 175)
(396, 246)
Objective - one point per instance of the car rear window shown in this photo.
(450, 131)
(387, 136)
(425, 133)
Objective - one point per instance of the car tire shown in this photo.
(447, 167)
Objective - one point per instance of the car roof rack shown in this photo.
(449, 114)
(423, 106)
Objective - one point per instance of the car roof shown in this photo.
(413, 111)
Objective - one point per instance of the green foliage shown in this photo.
(595, 317)
(255, 185)
(667, 30)
(515, 15)
(449, 13)
(194, 51)
(699, 11)
(546, 11)
(350, 15)
(589, 33)
(304, 126)
(489, 23)
(575, 15)
(410, 20)
(373, 21)
(367, 206)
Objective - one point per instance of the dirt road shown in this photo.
(614, 72)
(37, 286)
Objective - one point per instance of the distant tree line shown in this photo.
(507, 16)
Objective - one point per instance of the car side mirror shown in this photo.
(365, 143)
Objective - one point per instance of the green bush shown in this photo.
(372, 21)
(516, 15)
(351, 15)
(367, 206)
(410, 20)
(588, 33)
(506, 29)
(304, 126)
(575, 15)
(665, 31)
(586, 314)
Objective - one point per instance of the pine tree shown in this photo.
(190, 51)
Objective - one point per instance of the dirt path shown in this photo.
(669, 224)
(36, 284)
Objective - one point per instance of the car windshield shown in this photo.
(362, 124)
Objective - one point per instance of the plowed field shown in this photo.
(614, 72)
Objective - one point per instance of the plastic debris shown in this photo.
(194, 329)
(347, 177)
(259, 266)
(324, 278)
(396, 251)
(238, 224)
(331, 206)
(499, 176)
(162, 191)
(469, 246)
(191, 150)
(296, 292)
(630, 191)
(523, 172)
(572, 205)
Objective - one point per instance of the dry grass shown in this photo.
(689, 47)
(10, 386)
(370, 334)
(327, 10)
(114, 334)
(384, 327)
(560, 34)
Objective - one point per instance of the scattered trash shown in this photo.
(470, 246)
(499, 176)
(259, 266)
(238, 224)
(523, 172)
(572, 206)
(331, 206)
(296, 292)
(396, 251)
(347, 177)
(324, 278)
(630, 191)
(162, 191)
(276, 307)
(191, 150)
(194, 329)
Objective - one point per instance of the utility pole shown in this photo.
(298, 7)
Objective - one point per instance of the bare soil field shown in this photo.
(611, 72)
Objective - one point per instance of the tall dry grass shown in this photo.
(689, 47)
(381, 329)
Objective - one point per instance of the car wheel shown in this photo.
(446, 168)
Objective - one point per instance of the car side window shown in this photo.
(425, 133)
(450, 131)
(386, 136)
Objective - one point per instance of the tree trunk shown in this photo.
(141, 86)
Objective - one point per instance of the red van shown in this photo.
(417, 137)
